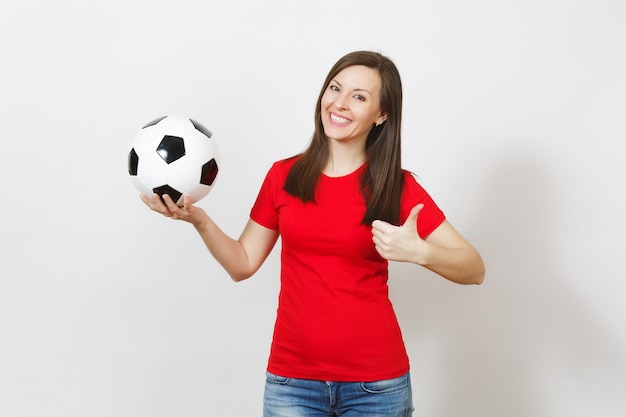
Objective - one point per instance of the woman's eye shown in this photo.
(334, 88)
(359, 97)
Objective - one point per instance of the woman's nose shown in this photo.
(341, 102)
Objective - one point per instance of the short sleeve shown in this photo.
(264, 210)
(430, 217)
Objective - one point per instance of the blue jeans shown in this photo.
(292, 397)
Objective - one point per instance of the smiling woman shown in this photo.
(343, 209)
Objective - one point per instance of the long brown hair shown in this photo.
(382, 181)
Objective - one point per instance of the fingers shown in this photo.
(175, 211)
(154, 203)
(186, 203)
(380, 236)
(381, 226)
(411, 221)
(163, 205)
(397, 242)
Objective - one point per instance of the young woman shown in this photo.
(343, 209)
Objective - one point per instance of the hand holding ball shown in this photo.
(176, 156)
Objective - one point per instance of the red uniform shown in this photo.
(335, 321)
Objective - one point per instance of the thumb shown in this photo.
(411, 221)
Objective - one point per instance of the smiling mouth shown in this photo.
(339, 120)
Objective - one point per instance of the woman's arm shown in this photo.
(241, 257)
(444, 251)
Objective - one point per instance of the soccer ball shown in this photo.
(176, 156)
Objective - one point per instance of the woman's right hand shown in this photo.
(166, 206)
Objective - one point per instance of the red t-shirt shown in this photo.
(335, 321)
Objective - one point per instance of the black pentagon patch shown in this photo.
(201, 128)
(166, 189)
(171, 148)
(133, 161)
(209, 172)
(155, 121)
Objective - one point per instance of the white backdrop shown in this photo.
(514, 114)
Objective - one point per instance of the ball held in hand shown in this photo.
(174, 155)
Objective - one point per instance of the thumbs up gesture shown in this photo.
(400, 243)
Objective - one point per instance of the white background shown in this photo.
(514, 121)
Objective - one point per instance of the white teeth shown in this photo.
(338, 119)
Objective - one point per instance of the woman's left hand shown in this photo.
(400, 243)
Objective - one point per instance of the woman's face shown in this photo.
(350, 105)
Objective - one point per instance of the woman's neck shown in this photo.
(343, 160)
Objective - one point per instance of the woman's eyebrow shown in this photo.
(356, 89)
